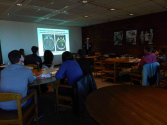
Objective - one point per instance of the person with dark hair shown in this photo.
(33, 58)
(162, 56)
(15, 79)
(48, 58)
(69, 69)
(84, 62)
(22, 52)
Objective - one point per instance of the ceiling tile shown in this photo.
(135, 10)
(161, 2)
(104, 2)
(151, 7)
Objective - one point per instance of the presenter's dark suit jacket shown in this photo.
(85, 46)
(32, 59)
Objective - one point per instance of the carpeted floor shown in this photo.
(66, 117)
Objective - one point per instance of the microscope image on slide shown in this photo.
(48, 42)
(60, 42)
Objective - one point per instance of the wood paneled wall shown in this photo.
(101, 35)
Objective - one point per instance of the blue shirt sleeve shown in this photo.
(30, 77)
(61, 72)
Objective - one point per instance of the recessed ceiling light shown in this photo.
(86, 16)
(84, 1)
(112, 9)
(131, 14)
(19, 4)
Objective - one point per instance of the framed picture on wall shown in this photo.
(146, 36)
(131, 37)
(118, 38)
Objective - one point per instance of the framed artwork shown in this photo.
(146, 36)
(118, 38)
(131, 37)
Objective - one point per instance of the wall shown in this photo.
(101, 35)
(16, 35)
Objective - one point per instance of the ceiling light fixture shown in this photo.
(131, 14)
(19, 4)
(84, 1)
(112, 9)
(86, 16)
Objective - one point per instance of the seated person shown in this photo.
(33, 58)
(84, 62)
(162, 56)
(15, 79)
(69, 69)
(48, 59)
(146, 59)
(22, 54)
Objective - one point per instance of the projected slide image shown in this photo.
(60, 42)
(48, 42)
(55, 40)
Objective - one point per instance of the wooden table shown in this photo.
(122, 60)
(89, 57)
(46, 81)
(128, 105)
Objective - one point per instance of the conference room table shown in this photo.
(128, 105)
(123, 60)
(52, 80)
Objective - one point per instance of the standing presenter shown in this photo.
(87, 46)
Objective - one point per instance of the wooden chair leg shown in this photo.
(57, 101)
(36, 108)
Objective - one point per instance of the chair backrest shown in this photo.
(150, 73)
(104, 63)
(9, 96)
(97, 54)
(85, 86)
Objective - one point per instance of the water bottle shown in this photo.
(38, 66)
(35, 76)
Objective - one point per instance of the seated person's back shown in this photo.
(84, 62)
(69, 69)
(48, 58)
(15, 79)
(148, 57)
(33, 58)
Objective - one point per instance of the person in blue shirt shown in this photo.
(69, 69)
(15, 79)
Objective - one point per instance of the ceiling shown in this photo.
(73, 12)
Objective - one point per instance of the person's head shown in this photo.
(34, 49)
(148, 49)
(48, 56)
(163, 51)
(21, 51)
(67, 56)
(15, 57)
(82, 53)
